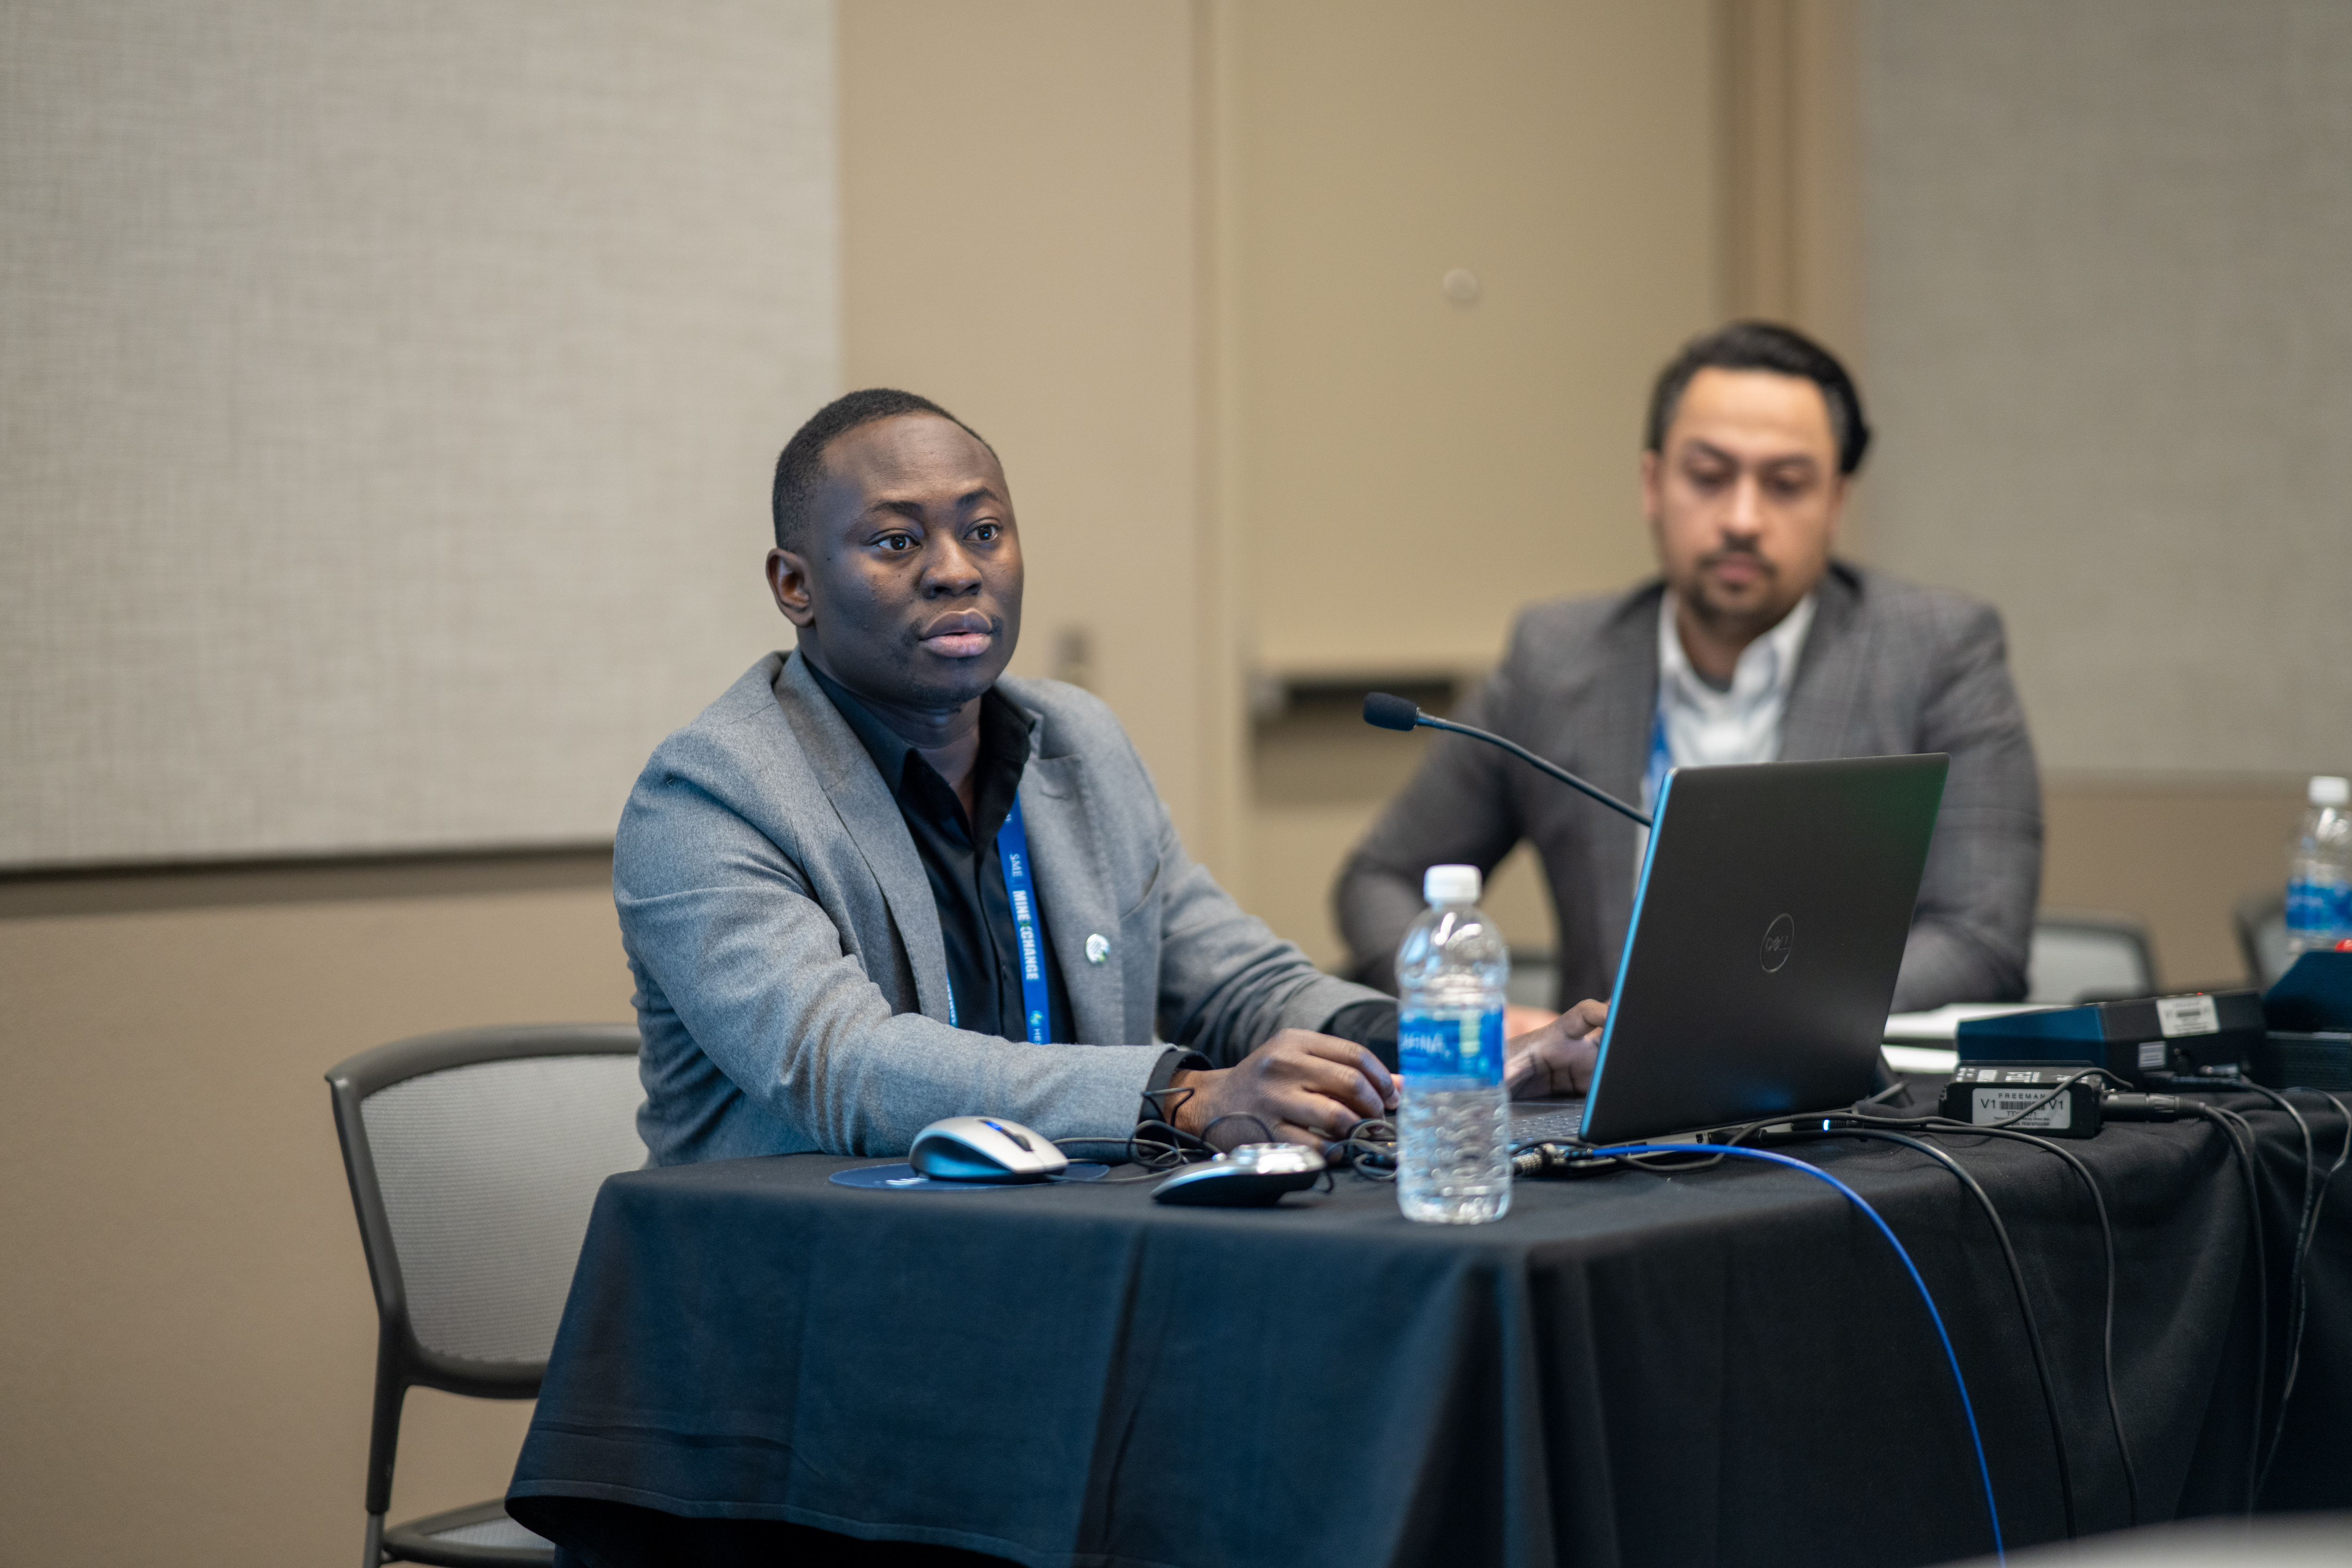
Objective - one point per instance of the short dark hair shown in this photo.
(801, 465)
(1763, 345)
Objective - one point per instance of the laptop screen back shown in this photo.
(1770, 925)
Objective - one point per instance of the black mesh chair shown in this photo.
(474, 1159)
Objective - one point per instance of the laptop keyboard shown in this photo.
(1561, 1126)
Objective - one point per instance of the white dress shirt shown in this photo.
(1705, 727)
(1697, 726)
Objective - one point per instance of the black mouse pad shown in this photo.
(906, 1179)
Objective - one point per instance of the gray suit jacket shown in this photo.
(1888, 668)
(791, 982)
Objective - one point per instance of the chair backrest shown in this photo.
(474, 1158)
(2085, 956)
(2261, 920)
(1535, 979)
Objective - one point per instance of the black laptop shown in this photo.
(1768, 928)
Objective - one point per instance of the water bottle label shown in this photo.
(1452, 1045)
(2318, 908)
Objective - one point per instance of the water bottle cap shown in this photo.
(1451, 884)
(2327, 789)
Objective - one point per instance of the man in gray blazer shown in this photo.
(876, 884)
(1754, 645)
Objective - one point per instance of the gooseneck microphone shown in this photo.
(1384, 711)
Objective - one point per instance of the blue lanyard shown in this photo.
(1012, 853)
(1013, 849)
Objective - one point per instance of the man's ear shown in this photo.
(788, 580)
(1652, 504)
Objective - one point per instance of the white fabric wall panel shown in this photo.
(2110, 353)
(387, 397)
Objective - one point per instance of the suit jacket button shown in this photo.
(1097, 948)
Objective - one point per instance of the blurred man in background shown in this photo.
(1754, 644)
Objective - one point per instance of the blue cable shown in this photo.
(1967, 1409)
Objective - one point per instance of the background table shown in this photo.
(1724, 1366)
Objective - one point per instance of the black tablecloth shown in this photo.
(1727, 1366)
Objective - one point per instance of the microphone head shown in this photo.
(1386, 712)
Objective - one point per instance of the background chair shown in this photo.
(1535, 979)
(2087, 955)
(474, 1160)
(2261, 920)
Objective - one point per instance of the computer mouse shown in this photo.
(984, 1149)
(1252, 1176)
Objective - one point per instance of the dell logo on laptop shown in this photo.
(1780, 941)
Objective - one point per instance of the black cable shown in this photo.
(1154, 1158)
(2107, 1244)
(2250, 1157)
(2017, 1282)
(2302, 1248)
(2294, 1270)
(1155, 1142)
(2235, 1128)
(1700, 1157)
(1369, 1148)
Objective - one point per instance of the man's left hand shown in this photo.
(1555, 1059)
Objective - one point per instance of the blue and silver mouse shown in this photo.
(984, 1149)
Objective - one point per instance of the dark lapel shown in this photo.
(1074, 885)
(1622, 694)
(1625, 699)
(871, 818)
(1830, 671)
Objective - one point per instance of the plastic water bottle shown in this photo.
(2319, 872)
(1454, 1161)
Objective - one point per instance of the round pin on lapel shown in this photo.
(1097, 948)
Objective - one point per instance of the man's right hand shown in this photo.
(1305, 1088)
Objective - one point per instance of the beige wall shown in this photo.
(2173, 852)
(2109, 329)
(1414, 466)
(1791, 183)
(1021, 245)
(189, 1335)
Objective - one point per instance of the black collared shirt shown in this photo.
(960, 858)
(984, 945)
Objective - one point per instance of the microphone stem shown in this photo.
(1562, 774)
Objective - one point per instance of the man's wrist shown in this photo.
(1186, 1113)
(1176, 1066)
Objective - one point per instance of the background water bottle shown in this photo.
(1454, 1166)
(2319, 872)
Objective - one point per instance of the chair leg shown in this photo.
(375, 1558)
